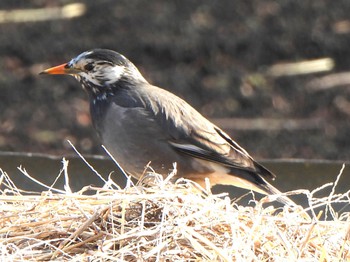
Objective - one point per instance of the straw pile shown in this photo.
(162, 222)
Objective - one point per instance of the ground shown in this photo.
(216, 55)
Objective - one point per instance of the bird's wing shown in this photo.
(203, 145)
(192, 134)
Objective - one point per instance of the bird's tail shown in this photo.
(269, 189)
(255, 180)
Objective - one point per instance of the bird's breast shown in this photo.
(135, 139)
(98, 109)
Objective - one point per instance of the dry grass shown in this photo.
(162, 222)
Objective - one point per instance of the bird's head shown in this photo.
(99, 70)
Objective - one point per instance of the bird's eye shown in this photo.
(89, 67)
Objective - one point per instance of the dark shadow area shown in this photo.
(227, 59)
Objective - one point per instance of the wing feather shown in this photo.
(194, 135)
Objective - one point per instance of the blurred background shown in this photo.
(275, 75)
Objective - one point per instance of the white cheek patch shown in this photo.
(113, 74)
(90, 78)
(103, 75)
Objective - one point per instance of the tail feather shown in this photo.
(271, 190)
(256, 182)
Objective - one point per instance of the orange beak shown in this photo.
(56, 70)
(60, 70)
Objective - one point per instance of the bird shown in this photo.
(140, 124)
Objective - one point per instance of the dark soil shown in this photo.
(215, 54)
